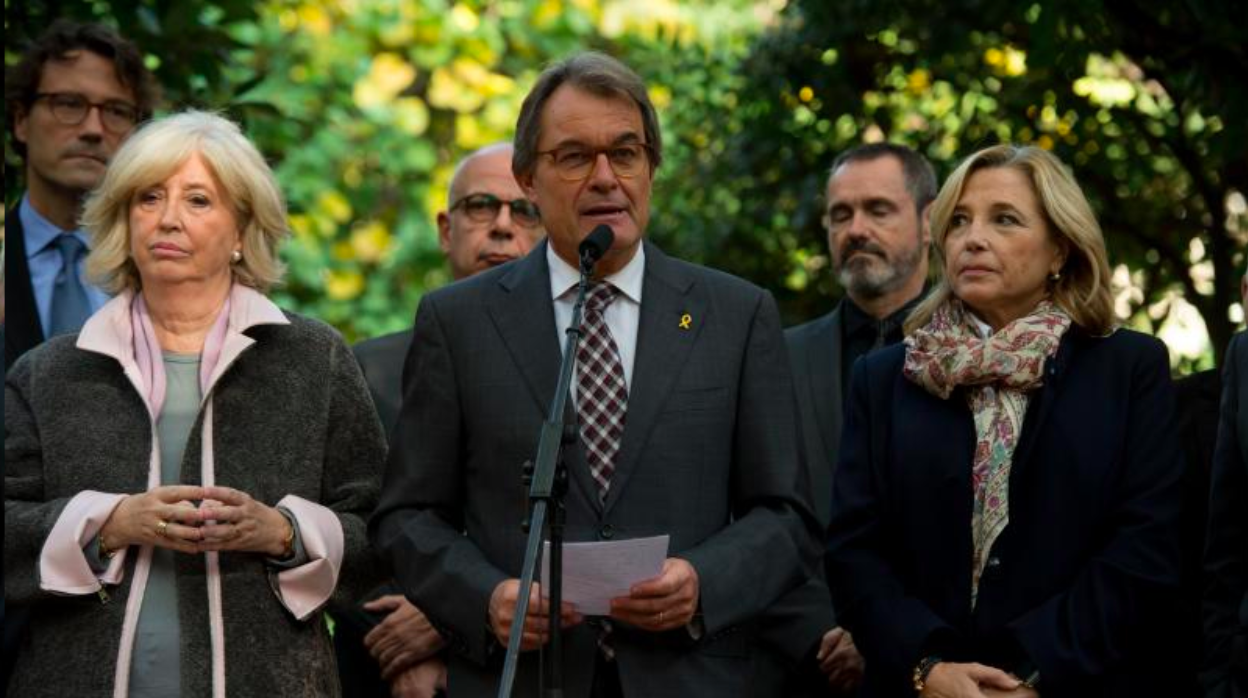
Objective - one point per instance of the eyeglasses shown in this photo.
(484, 208)
(71, 109)
(573, 163)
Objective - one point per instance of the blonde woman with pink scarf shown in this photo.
(187, 478)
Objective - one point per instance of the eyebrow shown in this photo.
(622, 139)
(865, 203)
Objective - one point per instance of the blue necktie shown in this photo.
(70, 307)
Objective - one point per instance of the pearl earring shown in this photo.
(236, 257)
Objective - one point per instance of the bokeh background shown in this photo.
(364, 106)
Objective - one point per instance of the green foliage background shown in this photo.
(363, 107)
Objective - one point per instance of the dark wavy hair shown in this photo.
(21, 80)
(596, 73)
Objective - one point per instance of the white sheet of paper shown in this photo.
(595, 573)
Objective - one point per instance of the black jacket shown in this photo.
(1089, 562)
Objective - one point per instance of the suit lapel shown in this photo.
(828, 395)
(663, 347)
(1042, 404)
(524, 313)
(22, 328)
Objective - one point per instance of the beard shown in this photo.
(866, 271)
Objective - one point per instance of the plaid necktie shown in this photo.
(70, 307)
(601, 392)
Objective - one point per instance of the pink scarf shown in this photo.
(999, 372)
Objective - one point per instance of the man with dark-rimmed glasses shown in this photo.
(77, 94)
(685, 427)
(385, 646)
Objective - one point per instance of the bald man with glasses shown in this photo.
(78, 92)
(387, 645)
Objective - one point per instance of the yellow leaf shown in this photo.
(411, 115)
(918, 81)
(546, 13)
(388, 75)
(344, 285)
(371, 241)
(334, 205)
(464, 18)
(301, 225)
(342, 251)
(315, 20)
(660, 96)
(450, 90)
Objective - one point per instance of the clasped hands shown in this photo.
(665, 602)
(956, 680)
(225, 519)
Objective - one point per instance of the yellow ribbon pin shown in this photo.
(686, 321)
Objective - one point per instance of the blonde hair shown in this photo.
(1083, 290)
(154, 154)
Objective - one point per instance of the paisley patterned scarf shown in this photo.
(998, 371)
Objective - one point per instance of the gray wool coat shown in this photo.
(292, 415)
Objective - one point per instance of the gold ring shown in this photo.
(162, 528)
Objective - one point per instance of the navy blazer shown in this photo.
(1088, 562)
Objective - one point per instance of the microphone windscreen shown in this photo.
(596, 244)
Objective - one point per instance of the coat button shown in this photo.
(993, 563)
(607, 531)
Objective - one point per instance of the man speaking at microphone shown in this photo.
(684, 406)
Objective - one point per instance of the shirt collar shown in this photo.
(857, 319)
(982, 328)
(39, 232)
(564, 278)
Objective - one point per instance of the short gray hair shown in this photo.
(596, 73)
(155, 153)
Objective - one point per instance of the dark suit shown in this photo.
(1198, 396)
(794, 625)
(22, 330)
(1226, 552)
(708, 455)
(381, 360)
(1090, 557)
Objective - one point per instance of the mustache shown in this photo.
(860, 245)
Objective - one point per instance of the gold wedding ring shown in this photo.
(162, 529)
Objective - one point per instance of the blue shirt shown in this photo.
(44, 261)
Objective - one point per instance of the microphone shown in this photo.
(594, 246)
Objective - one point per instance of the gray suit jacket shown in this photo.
(815, 354)
(709, 456)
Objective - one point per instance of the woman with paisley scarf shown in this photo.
(1006, 505)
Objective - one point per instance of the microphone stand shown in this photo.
(549, 479)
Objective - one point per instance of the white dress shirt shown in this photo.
(623, 315)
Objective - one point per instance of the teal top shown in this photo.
(156, 670)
